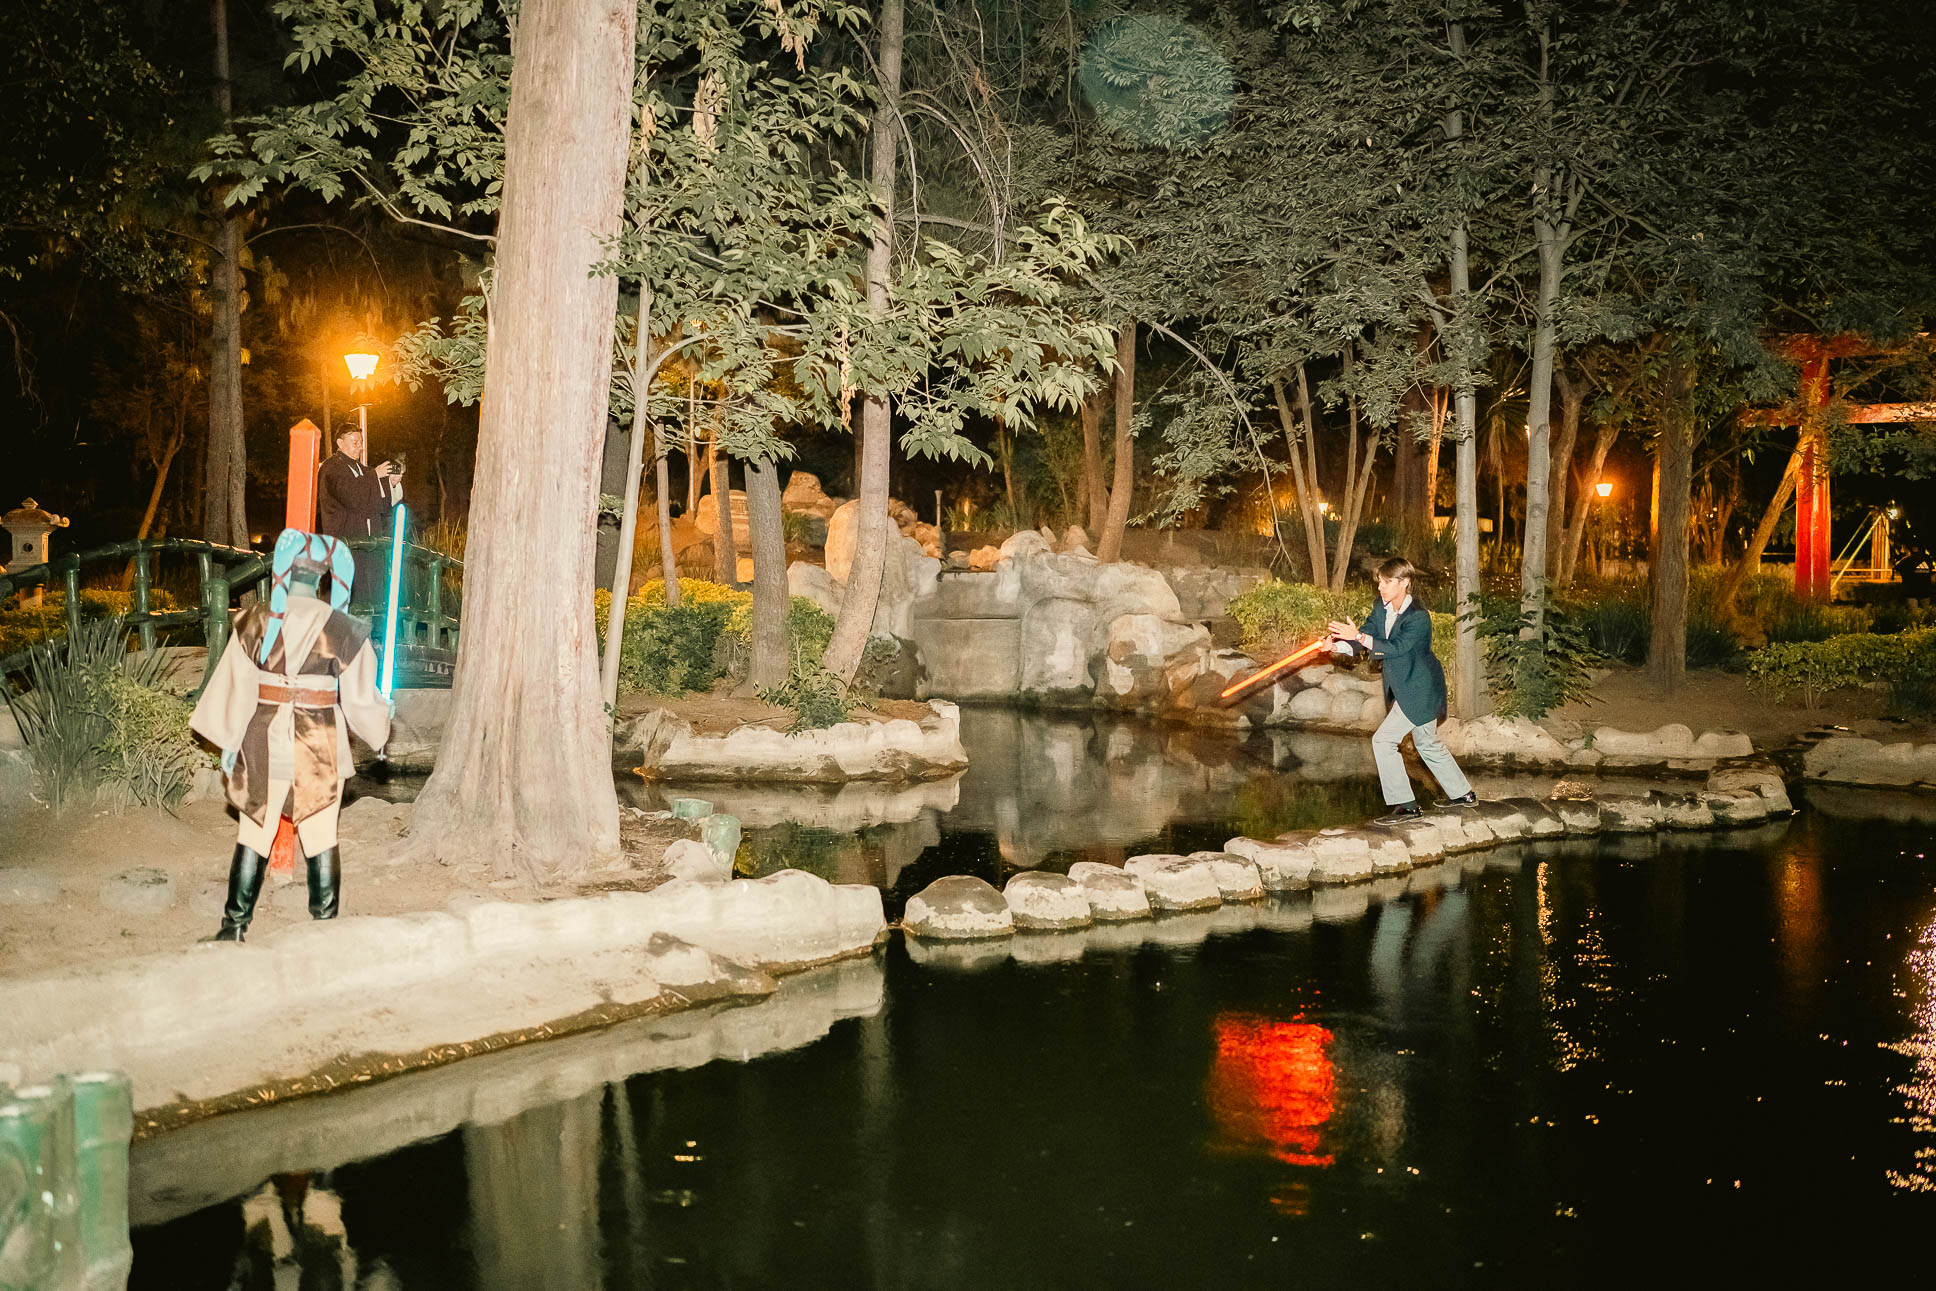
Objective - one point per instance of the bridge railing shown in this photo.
(422, 618)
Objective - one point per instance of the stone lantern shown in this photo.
(29, 528)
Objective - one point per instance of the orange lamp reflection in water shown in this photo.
(1272, 1086)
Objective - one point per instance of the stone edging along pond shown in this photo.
(960, 907)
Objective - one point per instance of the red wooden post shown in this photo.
(1812, 549)
(305, 444)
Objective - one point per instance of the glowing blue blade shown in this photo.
(390, 613)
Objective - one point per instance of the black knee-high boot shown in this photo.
(325, 880)
(245, 885)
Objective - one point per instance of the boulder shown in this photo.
(1150, 660)
(1205, 591)
(843, 529)
(1175, 882)
(1505, 739)
(958, 908)
(1055, 648)
(1757, 778)
(1541, 821)
(984, 559)
(1281, 866)
(1237, 877)
(705, 518)
(1630, 813)
(1577, 815)
(687, 858)
(1021, 546)
(1843, 760)
(1112, 893)
(804, 496)
(1047, 902)
(1076, 538)
(926, 535)
(817, 585)
(1670, 741)
(1722, 744)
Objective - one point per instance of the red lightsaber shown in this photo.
(1263, 675)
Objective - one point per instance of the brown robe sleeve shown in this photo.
(228, 702)
(365, 710)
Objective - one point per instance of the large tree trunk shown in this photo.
(1123, 489)
(1306, 507)
(1469, 694)
(725, 544)
(1572, 399)
(1583, 507)
(769, 666)
(1751, 558)
(1095, 493)
(524, 779)
(224, 515)
(856, 620)
(1674, 456)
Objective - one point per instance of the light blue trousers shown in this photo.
(1391, 767)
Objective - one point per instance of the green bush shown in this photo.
(1530, 673)
(1809, 621)
(1710, 642)
(96, 724)
(1838, 663)
(1277, 616)
(1912, 685)
(30, 625)
(817, 697)
(688, 648)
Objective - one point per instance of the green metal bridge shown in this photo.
(429, 598)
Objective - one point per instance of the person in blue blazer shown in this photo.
(1399, 634)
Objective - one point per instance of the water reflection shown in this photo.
(1272, 1086)
(1919, 1091)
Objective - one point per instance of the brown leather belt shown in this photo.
(269, 694)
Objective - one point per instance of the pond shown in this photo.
(1707, 1056)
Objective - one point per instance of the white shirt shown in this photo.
(1393, 611)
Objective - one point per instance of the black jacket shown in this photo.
(351, 501)
(1413, 678)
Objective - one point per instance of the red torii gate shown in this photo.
(1812, 546)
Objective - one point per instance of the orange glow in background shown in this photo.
(1272, 1086)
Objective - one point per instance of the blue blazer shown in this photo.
(1413, 678)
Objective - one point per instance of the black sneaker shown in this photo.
(1404, 811)
(1469, 800)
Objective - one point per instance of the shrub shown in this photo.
(30, 625)
(1912, 686)
(1710, 642)
(95, 722)
(1838, 663)
(687, 648)
(1277, 616)
(817, 697)
(1809, 621)
(1531, 673)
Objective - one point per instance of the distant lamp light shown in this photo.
(1604, 488)
(362, 366)
(1895, 513)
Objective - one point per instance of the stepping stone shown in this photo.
(1541, 820)
(1461, 830)
(958, 907)
(1756, 778)
(1281, 866)
(1343, 856)
(1390, 854)
(1505, 821)
(1422, 839)
(142, 890)
(1630, 813)
(1176, 882)
(1047, 902)
(1113, 895)
(1736, 807)
(1687, 811)
(1580, 816)
(24, 885)
(1237, 878)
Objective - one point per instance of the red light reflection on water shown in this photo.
(1272, 1086)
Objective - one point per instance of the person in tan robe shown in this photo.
(297, 677)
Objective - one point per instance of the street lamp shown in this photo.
(362, 366)
(1604, 488)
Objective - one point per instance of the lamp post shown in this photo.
(362, 367)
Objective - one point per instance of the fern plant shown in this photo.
(1534, 662)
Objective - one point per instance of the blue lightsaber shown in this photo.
(390, 612)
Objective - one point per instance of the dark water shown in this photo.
(1711, 1059)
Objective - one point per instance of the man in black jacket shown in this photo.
(1399, 634)
(354, 501)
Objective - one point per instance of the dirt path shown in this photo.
(1714, 700)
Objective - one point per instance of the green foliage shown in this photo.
(95, 722)
(1812, 621)
(1277, 616)
(1912, 687)
(818, 698)
(1535, 661)
(1839, 663)
(687, 648)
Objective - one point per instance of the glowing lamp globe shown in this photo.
(1604, 488)
(362, 366)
